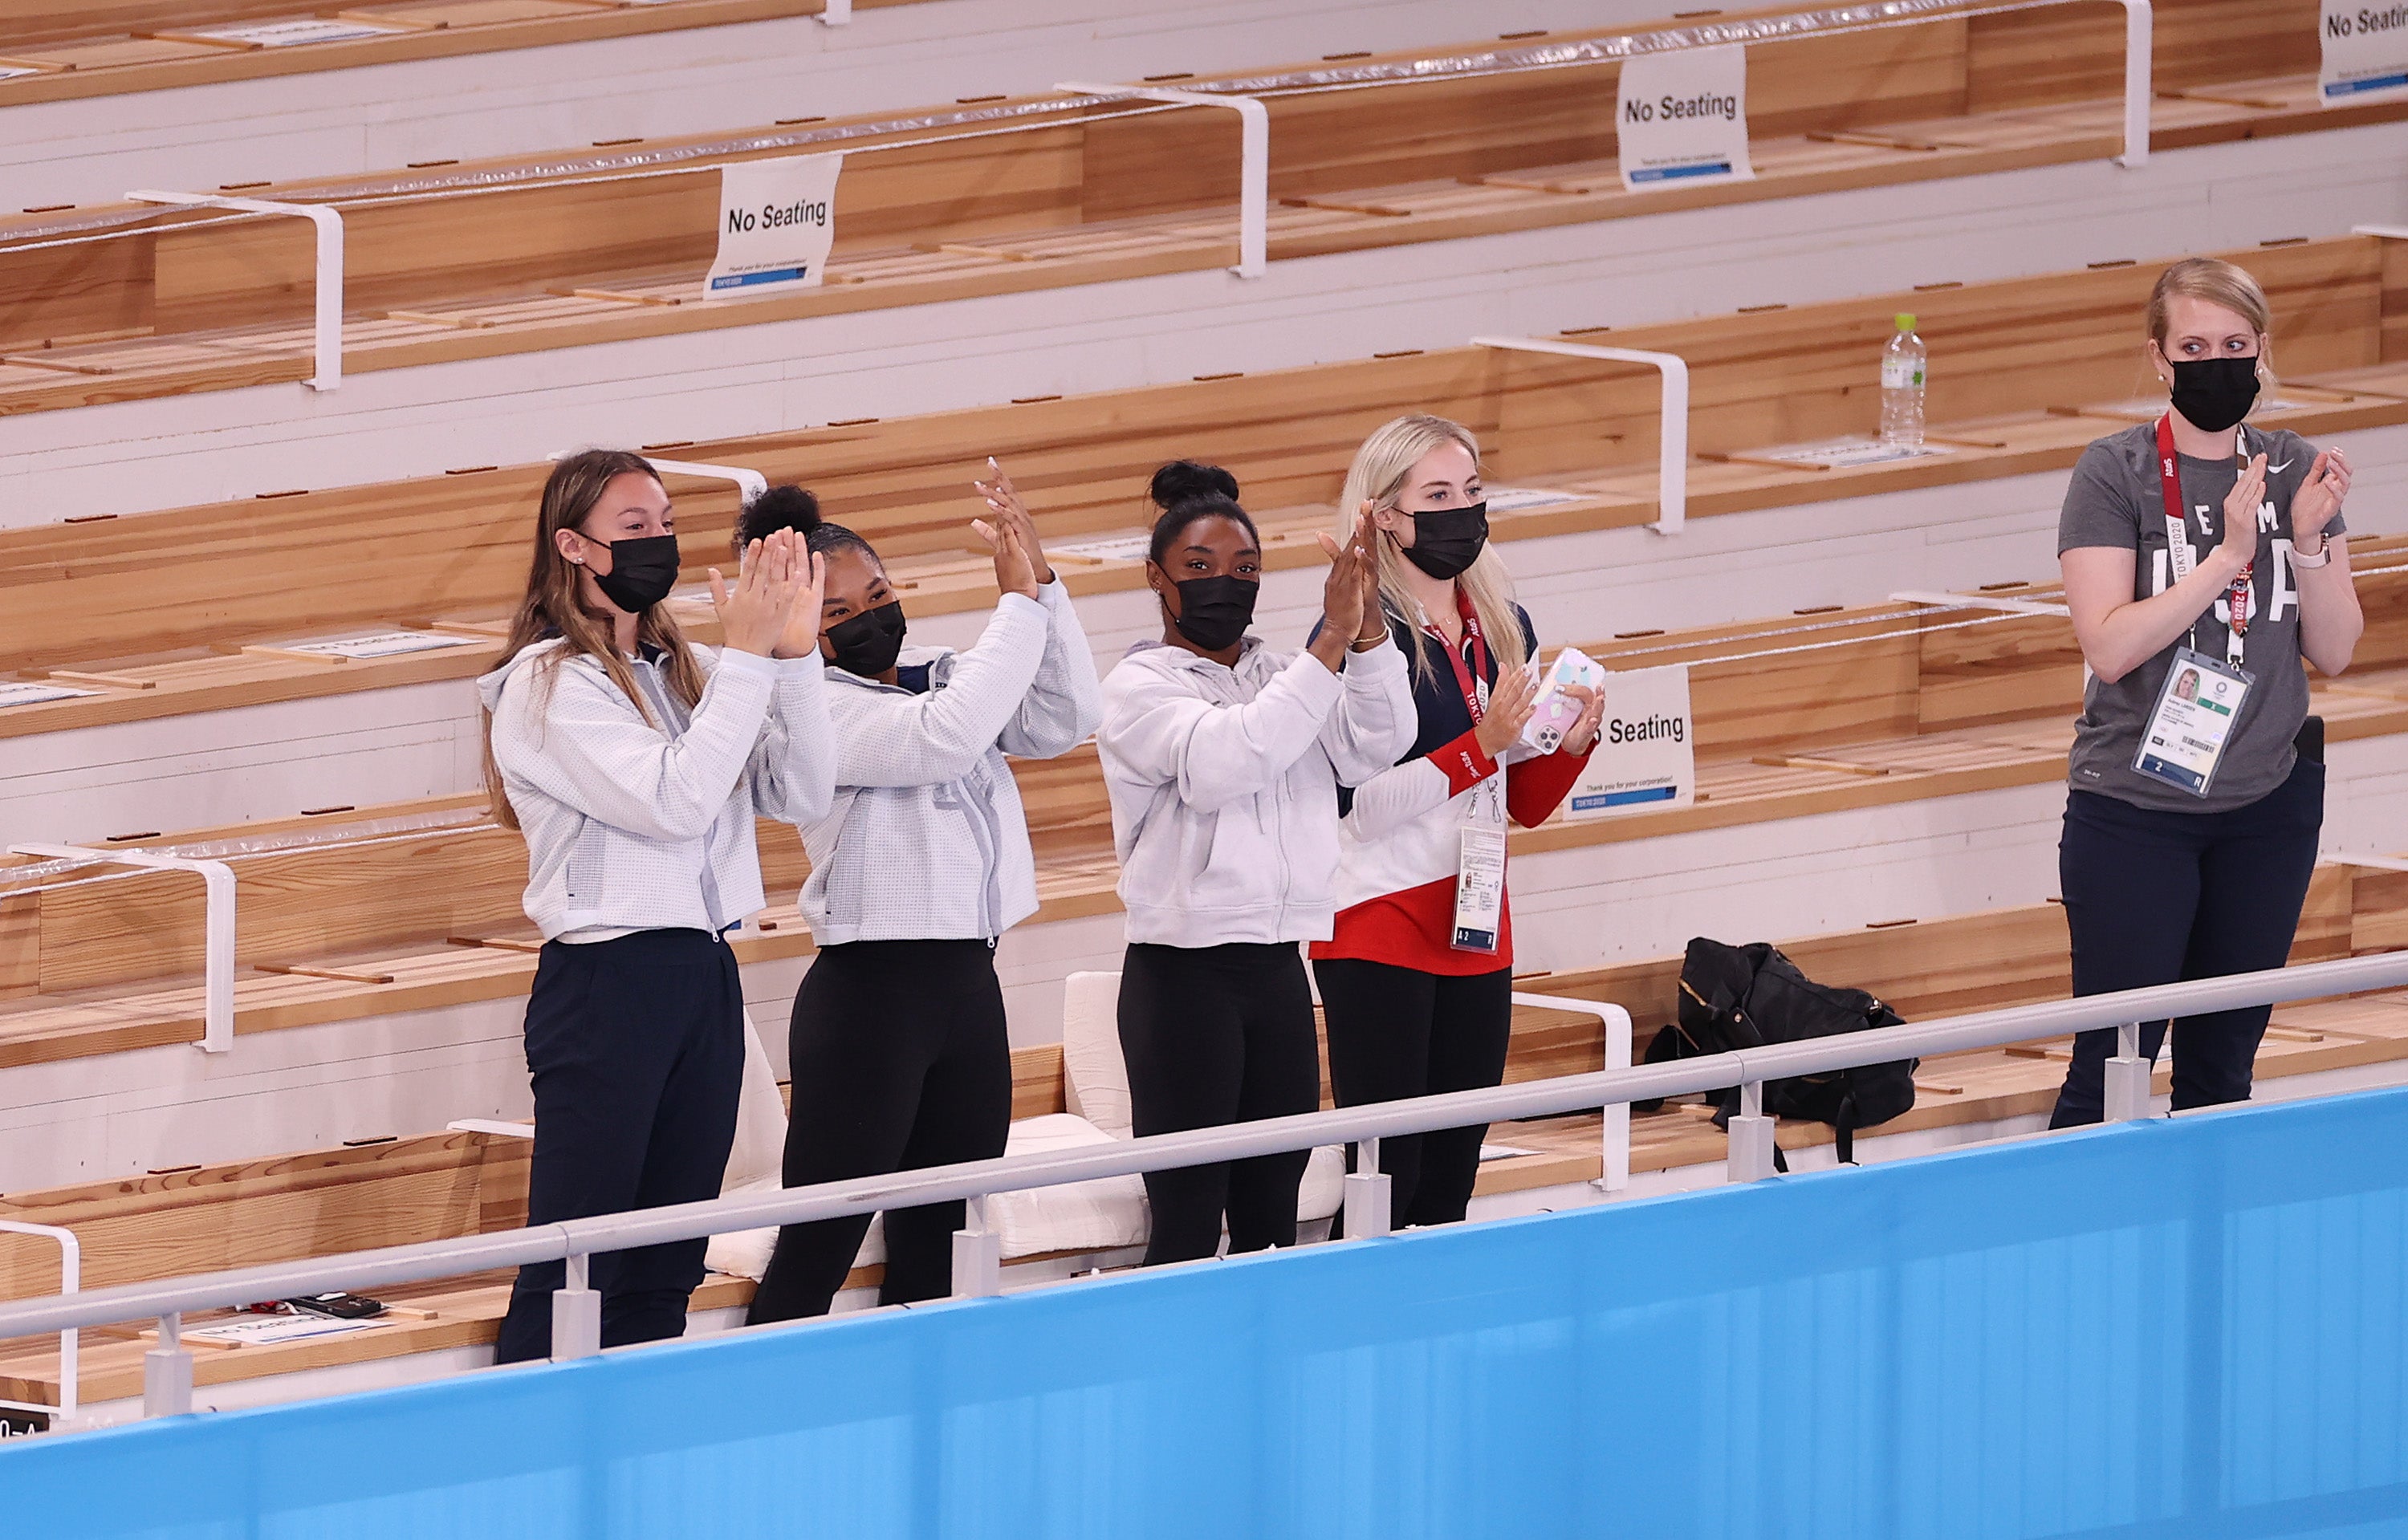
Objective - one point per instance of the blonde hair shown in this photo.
(554, 606)
(1377, 476)
(2220, 283)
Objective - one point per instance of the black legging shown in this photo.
(900, 1060)
(1396, 1033)
(637, 1050)
(2156, 897)
(1216, 1035)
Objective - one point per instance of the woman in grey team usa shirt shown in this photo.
(2203, 559)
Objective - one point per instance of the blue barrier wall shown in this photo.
(2193, 1328)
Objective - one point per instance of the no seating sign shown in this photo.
(777, 220)
(2365, 51)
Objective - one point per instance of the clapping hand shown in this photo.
(1004, 500)
(1583, 736)
(778, 573)
(1349, 592)
(2318, 501)
(2239, 547)
(1015, 569)
(1511, 701)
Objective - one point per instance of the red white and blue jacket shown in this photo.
(1400, 837)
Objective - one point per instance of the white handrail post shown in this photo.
(576, 1313)
(1367, 1197)
(70, 1338)
(1614, 1158)
(329, 290)
(217, 945)
(1254, 160)
(1672, 435)
(978, 1254)
(1751, 1147)
(2139, 91)
(1616, 1175)
(835, 13)
(168, 1371)
(2125, 1090)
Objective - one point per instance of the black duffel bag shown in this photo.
(1746, 997)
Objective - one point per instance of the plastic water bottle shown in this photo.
(1901, 380)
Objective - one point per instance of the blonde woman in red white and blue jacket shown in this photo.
(1410, 1013)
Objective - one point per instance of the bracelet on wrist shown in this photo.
(2321, 556)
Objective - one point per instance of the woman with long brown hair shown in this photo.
(635, 763)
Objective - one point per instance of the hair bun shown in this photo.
(783, 508)
(1185, 481)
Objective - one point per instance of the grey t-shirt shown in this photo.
(2114, 502)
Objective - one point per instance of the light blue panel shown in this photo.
(2184, 1329)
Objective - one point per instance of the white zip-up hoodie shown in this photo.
(631, 827)
(928, 840)
(1223, 784)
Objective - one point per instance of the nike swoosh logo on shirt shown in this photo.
(2284, 467)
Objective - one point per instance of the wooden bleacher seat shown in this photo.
(161, 614)
(400, 1191)
(1090, 193)
(1916, 701)
(100, 47)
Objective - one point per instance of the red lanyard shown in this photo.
(1464, 677)
(2170, 482)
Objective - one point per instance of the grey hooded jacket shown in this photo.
(635, 826)
(927, 840)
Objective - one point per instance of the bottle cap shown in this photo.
(1906, 321)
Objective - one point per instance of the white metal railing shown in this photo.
(576, 1307)
(70, 1283)
(1254, 158)
(1672, 437)
(217, 945)
(328, 290)
(750, 483)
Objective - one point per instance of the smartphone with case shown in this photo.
(340, 1306)
(1556, 711)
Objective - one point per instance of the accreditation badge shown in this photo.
(1480, 872)
(2184, 739)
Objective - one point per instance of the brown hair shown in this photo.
(2221, 283)
(555, 607)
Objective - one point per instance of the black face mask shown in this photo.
(1214, 612)
(868, 643)
(1447, 542)
(2213, 393)
(642, 571)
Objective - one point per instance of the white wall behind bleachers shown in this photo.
(144, 455)
(701, 81)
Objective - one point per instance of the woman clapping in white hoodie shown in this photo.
(634, 763)
(899, 1047)
(1223, 759)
